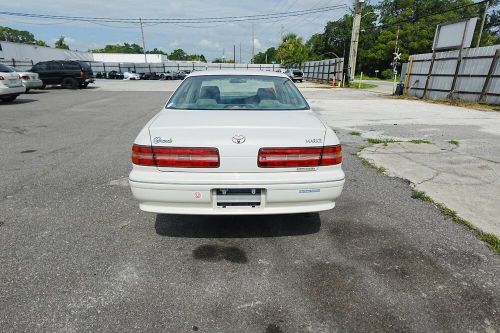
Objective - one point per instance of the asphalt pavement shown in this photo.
(76, 253)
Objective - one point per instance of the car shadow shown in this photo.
(35, 92)
(20, 101)
(191, 226)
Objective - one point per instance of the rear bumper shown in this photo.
(10, 91)
(201, 199)
(32, 84)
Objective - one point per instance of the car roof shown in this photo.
(237, 72)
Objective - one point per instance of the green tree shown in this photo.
(60, 44)
(196, 57)
(156, 51)
(177, 54)
(19, 36)
(117, 48)
(266, 57)
(292, 50)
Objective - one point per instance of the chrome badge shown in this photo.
(239, 139)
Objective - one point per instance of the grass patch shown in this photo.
(454, 102)
(355, 133)
(362, 85)
(419, 141)
(367, 163)
(492, 240)
(416, 194)
(384, 141)
(453, 142)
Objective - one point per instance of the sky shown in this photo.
(212, 39)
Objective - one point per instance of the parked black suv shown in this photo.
(69, 74)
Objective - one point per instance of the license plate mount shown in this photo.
(248, 197)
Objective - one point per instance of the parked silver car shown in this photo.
(295, 74)
(30, 80)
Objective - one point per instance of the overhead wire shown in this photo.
(223, 19)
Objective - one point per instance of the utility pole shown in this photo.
(282, 33)
(240, 52)
(143, 42)
(234, 53)
(353, 52)
(253, 43)
(486, 6)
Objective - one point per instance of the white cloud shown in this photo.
(210, 45)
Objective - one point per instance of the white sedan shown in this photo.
(131, 76)
(10, 84)
(236, 142)
(30, 80)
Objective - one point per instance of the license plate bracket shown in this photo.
(249, 197)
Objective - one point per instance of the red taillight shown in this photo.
(289, 157)
(25, 77)
(82, 74)
(176, 157)
(299, 157)
(142, 155)
(331, 155)
(1, 77)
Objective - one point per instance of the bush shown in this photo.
(386, 74)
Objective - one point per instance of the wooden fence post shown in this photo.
(424, 95)
(487, 81)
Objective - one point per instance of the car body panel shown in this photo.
(195, 128)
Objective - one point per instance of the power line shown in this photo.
(409, 20)
(202, 20)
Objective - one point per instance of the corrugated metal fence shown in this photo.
(473, 76)
(323, 70)
(153, 67)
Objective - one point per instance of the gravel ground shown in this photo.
(76, 254)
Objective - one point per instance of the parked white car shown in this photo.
(30, 80)
(131, 76)
(236, 142)
(10, 84)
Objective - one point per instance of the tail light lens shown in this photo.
(142, 155)
(175, 157)
(299, 157)
(25, 77)
(1, 77)
(82, 74)
(331, 155)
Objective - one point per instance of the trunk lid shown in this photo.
(11, 79)
(238, 135)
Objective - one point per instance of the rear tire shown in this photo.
(69, 83)
(9, 99)
(27, 90)
(43, 86)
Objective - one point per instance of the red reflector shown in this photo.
(331, 155)
(142, 155)
(299, 157)
(175, 157)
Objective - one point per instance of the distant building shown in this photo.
(130, 58)
(35, 53)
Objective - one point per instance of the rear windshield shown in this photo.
(5, 69)
(238, 92)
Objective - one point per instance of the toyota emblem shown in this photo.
(239, 139)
